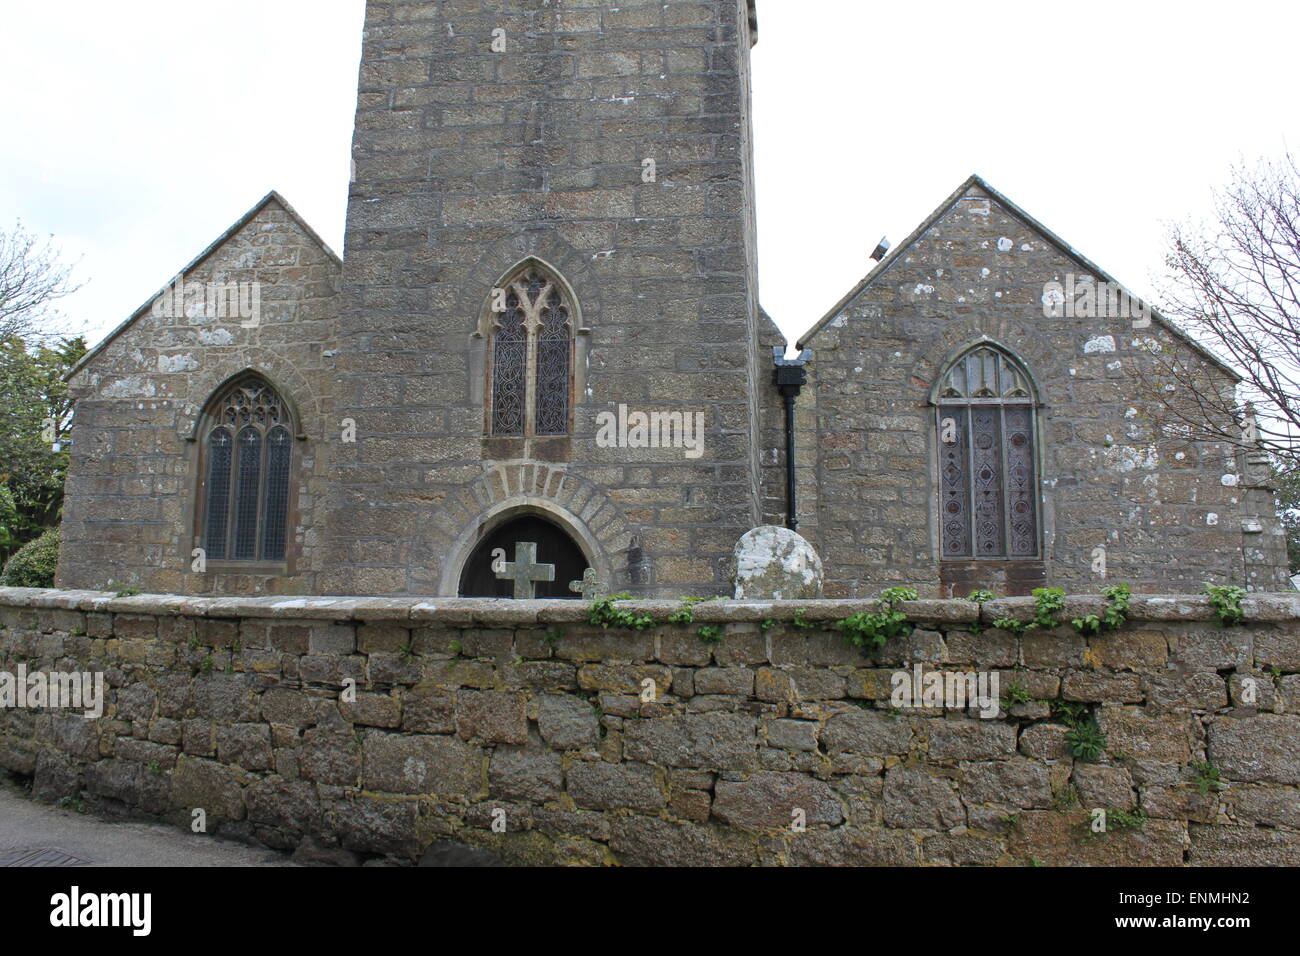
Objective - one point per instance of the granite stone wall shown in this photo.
(474, 156)
(1114, 472)
(372, 728)
(132, 486)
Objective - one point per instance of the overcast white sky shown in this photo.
(137, 131)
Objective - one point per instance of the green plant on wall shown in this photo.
(710, 633)
(1047, 602)
(800, 619)
(1086, 741)
(686, 613)
(1071, 713)
(1117, 601)
(980, 597)
(1207, 776)
(1226, 600)
(1017, 693)
(1011, 624)
(603, 613)
(870, 630)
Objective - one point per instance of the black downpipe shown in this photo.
(790, 377)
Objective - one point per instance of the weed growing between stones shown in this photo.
(1010, 624)
(1047, 601)
(1117, 597)
(869, 631)
(1111, 821)
(75, 804)
(1086, 741)
(604, 613)
(1226, 599)
(1207, 776)
(1067, 798)
(1085, 738)
(1127, 819)
(710, 634)
(686, 613)
(980, 597)
(122, 590)
(1069, 712)
(1017, 693)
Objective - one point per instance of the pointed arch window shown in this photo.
(247, 474)
(531, 367)
(988, 474)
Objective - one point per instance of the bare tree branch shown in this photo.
(32, 279)
(1234, 287)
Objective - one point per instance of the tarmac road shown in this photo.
(52, 837)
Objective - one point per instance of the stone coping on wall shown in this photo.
(1260, 606)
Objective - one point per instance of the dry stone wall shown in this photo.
(759, 741)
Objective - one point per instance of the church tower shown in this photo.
(549, 326)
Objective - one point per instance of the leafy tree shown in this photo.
(9, 530)
(35, 415)
(34, 564)
(1288, 499)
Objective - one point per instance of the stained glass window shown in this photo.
(532, 356)
(248, 469)
(510, 370)
(988, 482)
(553, 369)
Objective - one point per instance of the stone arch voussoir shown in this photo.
(293, 386)
(590, 516)
(1024, 344)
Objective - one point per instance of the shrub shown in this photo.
(33, 565)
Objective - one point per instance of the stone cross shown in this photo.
(588, 587)
(525, 571)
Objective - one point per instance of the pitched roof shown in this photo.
(243, 221)
(1065, 248)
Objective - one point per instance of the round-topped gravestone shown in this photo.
(777, 564)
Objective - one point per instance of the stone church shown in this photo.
(546, 329)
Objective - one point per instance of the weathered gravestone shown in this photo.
(777, 564)
(589, 587)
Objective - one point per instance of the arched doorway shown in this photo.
(554, 546)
